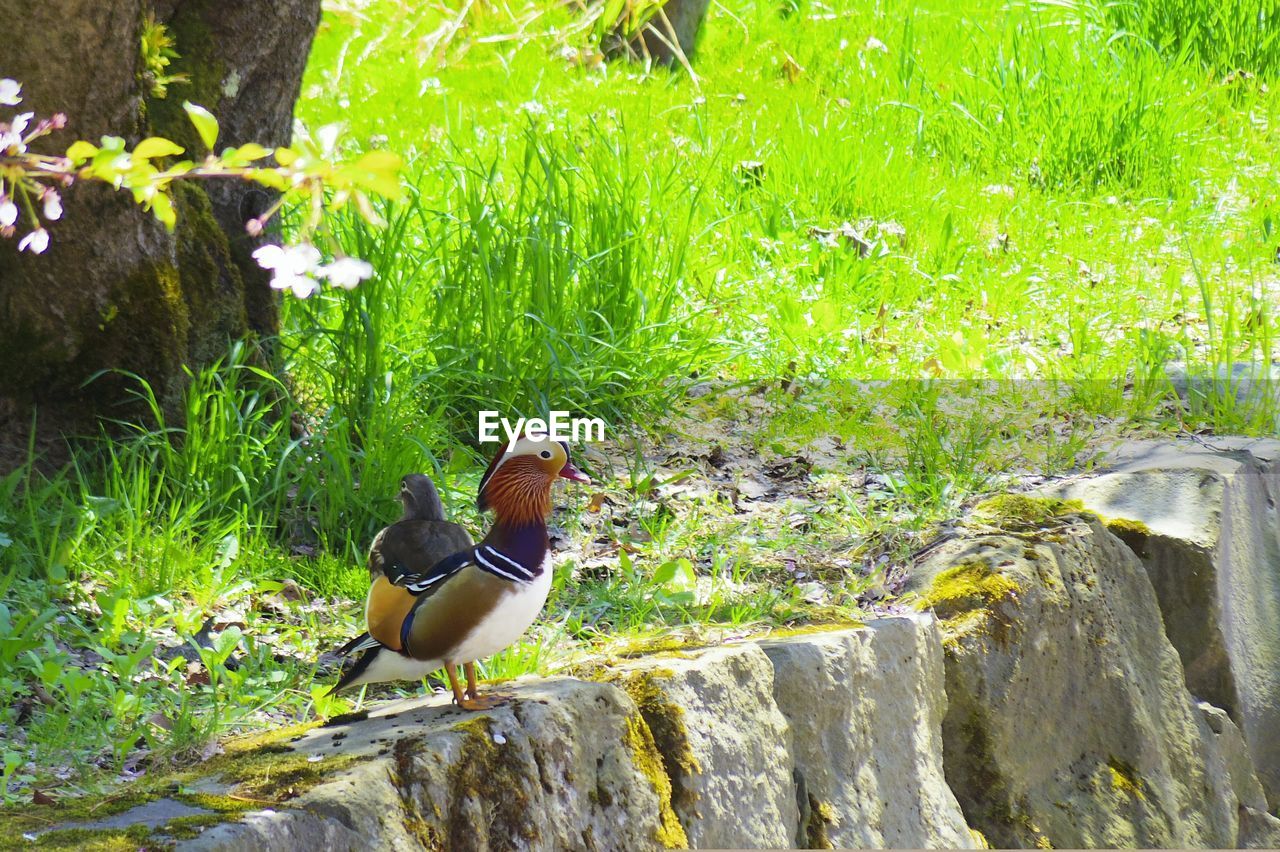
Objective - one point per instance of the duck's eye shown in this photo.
(546, 454)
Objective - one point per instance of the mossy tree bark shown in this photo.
(115, 291)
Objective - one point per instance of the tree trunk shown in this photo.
(115, 291)
(675, 26)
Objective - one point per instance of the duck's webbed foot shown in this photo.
(470, 699)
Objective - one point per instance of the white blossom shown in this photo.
(301, 285)
(35, 242)
(10, 92)
(327, 136)
(288, 260)
(291, 267)
(11, 136)
(8, 211)
(52, 204)
(346, 272)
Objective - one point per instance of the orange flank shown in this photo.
(385, 611)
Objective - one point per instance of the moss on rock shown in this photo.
(94, 839)
(264, 769)
(1124, 778)
(1135, 534)
(494, 784)
(1026, 510)
(15, 822)
(964, 598)
(665, 719)
(663, 644)
(820, 817)
(645, 755)
(1128, 525)
(258, 770)
(661, 735)
(967, 586)
(811, 629)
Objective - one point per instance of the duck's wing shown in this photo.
(388, 597)
(415, 547)
(426, 583)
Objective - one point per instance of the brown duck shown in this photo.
(422, 536)
(476, 601)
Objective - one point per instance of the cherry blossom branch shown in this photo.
(309, 169)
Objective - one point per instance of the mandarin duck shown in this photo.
(477, 601)
(413, 544)
(421, 538)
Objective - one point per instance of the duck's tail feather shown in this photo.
(378, 664)
(363, 642)
(356, 670)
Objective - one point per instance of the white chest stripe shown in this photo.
(522, 575)
(507, 559)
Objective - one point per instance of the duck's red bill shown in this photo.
(572, 474)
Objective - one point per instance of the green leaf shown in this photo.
(676, 575)
(325, 705)
(162, 209)
(206, 125)
(100, 507)
(228, 550)
(80, 151)
(380, 162)
(225, 643)
(155, 146)
(50, 671)
(286, 156)
(610, 14)
(269, 177)
(381, 172)
(246, 153)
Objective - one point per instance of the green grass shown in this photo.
(1225, 37)
(1057, 201)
